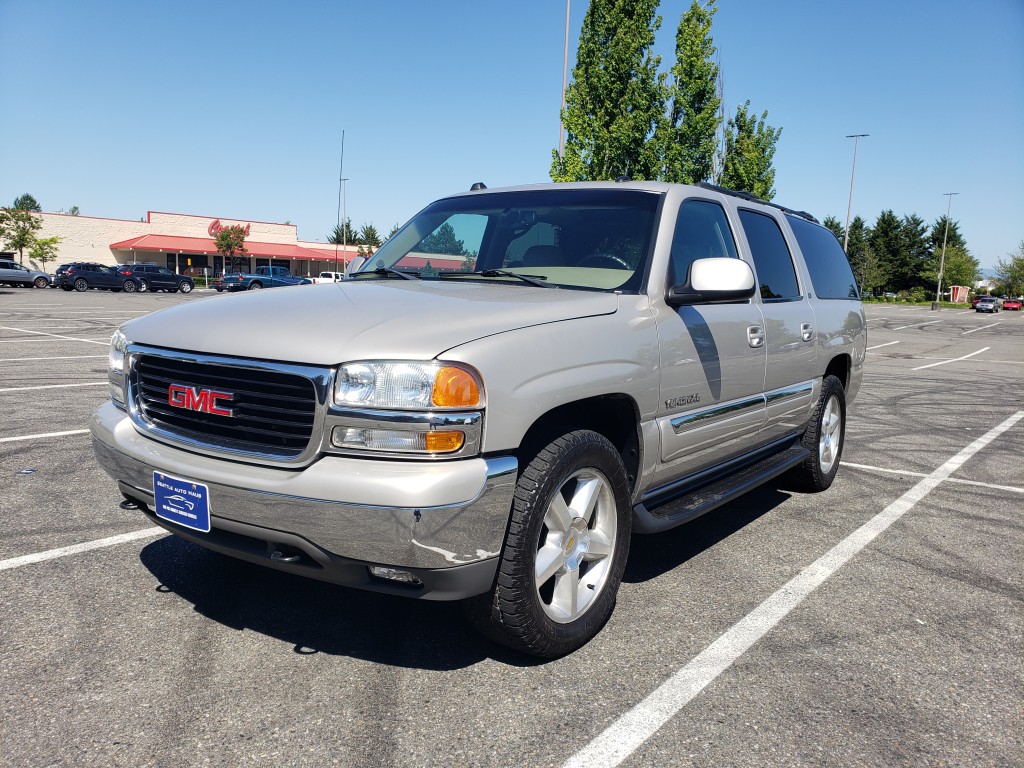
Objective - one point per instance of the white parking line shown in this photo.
(54, 386)
(74, 549)
(637, 725)
(869, 468)
(954, 360)
(44, 434)
(915, 325)
(33, 359)
(879, 346)
(54, 335)
(980, 328)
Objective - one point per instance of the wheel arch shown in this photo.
(615, 416)
(840, 366)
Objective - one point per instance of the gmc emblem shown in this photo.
(203, 400)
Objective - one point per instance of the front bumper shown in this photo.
(444, 522)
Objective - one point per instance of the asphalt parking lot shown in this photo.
(879, 623)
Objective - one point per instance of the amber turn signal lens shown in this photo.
(444, 442)
(455, 388)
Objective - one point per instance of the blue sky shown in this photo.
(236, 110)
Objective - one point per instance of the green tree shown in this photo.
(914, 239)
(688, 137)
(887, 245)
(391, 232)
(343, 234)
(954, 239)
(18, 228)
(1010, 273)
(230, 241)
(443, 240)
(368, 235)
(869, 270)
(835, 226)
(73, 210)
(616, 98)
(749, 149)
(959, 268)
(44, 250)
(26, 203)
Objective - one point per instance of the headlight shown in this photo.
(115, 367)
(421, 386)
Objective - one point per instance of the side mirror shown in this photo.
(713, 281)
(354, 265)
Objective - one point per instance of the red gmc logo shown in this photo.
(196, 399)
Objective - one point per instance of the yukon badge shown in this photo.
(202, 400)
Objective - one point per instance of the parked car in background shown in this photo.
(14, 274)
(263, 277)
(329, 277)
(82, 275)
(976, 299)
(987, 304)
(1014, 304)
(153, 277)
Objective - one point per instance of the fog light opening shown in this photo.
(395, 574)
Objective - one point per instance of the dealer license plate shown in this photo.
(182, 501)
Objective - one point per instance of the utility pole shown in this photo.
(341, 172)
(849, 206)
(942, 259)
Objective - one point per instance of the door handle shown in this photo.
(806, 331)
(755, 336)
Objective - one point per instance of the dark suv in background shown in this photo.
(82, 275)
(153, 277)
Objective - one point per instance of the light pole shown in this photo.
(565, 74)
(849, 206)
(942, 259)
(344, 226)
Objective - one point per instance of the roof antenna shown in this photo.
(478, 186)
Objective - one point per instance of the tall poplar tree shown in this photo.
(749, 149)
(616, 98)
(688, 136)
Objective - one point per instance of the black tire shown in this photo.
(254, 286)
(130, 286)
(185, 287)
(66, 288)
(143, 286)
(81, 285)
(41, 282)
(824, 438)
(584, 557)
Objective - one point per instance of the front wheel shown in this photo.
(824, 438)
(41, 282)
(565, 550)
(129, 286)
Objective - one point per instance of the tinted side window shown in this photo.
(702, 232)
(774, 264)
(830, 270)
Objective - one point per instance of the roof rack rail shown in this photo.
(755, 199)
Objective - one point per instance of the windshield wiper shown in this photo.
(385, 271)
(537, 280)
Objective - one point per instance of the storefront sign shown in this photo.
(216, 227)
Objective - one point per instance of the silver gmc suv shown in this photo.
(490, 406)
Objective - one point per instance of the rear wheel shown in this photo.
(564, 552)
(66, 288)
(824, 439)
(143, 286)
(81, 285)
(255, 286)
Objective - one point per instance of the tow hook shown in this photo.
(280, 557)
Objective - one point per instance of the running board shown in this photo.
(695, 503)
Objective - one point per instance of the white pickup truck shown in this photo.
(328, 277)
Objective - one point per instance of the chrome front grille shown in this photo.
(275, 408)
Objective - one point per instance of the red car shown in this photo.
(1011, 304)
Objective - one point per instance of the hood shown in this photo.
(359, 320)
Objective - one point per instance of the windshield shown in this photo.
(588, 239)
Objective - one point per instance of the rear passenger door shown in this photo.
(789, 323)
(712, 357)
